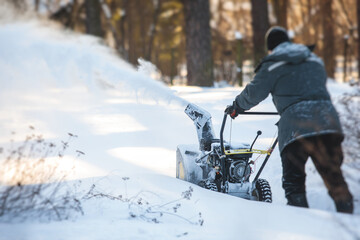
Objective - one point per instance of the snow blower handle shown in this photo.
(259, 113)
(242, 113)
(222, 134)
(271, 149)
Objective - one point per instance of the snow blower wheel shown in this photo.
(208, 185)
(262, 191)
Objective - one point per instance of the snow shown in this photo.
(238, 35)
(129, 125)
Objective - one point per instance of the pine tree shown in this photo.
(280, 8)
(260, 24)
(198, 42)
(328, 37)
(93, 18)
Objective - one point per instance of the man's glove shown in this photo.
(234, 110)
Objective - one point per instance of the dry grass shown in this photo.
(32, 186)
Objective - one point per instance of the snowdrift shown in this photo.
(128, 126)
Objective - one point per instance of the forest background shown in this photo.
(207, 42)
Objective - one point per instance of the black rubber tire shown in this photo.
(211, 186)
(263, 191)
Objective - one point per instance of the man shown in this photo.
(309, 125)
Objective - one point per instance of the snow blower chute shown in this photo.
(221, 166)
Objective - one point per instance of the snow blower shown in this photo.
(221, 166)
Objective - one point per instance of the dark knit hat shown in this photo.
(275, 36)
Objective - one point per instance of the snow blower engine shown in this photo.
(221, 166)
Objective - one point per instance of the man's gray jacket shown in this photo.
(296, 79)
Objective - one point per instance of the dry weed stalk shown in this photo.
(141, 208)
(32, 186)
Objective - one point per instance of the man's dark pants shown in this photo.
(326, 153)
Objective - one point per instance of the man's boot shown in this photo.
(298, 200)
(345, 206)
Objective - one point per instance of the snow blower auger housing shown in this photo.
(221, 166)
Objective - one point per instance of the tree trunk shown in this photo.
(108, 16)
(74, 14)
(141, 16)
(260, 24)
(37, 3)
(93, 20)
(130, 31)
(240, 59)
(328, 37)
(157, 11)
(19, 5)
(358, 40)
(123, 19)
(198, 42)
(280, 8)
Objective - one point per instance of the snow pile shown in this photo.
(127, 127)
(148, 69)
(349, 107)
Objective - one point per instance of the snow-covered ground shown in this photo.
(128, 125)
